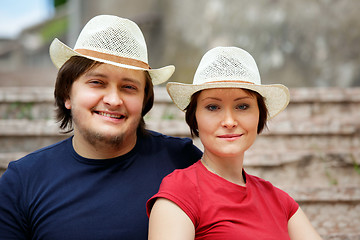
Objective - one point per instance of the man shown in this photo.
(95, 184)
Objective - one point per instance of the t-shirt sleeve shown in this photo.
(290, 206)
(179, 188)
(293, 207)
(11, 217)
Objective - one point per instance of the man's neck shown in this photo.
(100, 149)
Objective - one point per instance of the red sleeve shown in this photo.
(290, 206)
(180, 188)
(293, 207)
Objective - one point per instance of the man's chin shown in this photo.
(101, 139)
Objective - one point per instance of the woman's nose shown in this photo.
(229, 120)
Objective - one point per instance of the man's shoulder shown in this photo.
(177, 147)
(166, 138)
(52, 151)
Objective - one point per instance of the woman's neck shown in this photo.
(229, 168)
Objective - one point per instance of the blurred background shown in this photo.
(311, 150)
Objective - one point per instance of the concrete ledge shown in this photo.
(37, 127)
(26, 94)
(334, 194)
(298, 95)
(24, 127)
(6, 158)
(273, 158)
(342, 236)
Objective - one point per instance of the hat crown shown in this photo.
(227, 64)
(113, 35)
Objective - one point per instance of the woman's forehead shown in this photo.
(225, 92)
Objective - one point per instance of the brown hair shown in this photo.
(70, 72)
(190, 115)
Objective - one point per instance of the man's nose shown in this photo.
(112, 97)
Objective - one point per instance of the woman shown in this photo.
(226, 106)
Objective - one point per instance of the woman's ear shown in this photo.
(68, 104)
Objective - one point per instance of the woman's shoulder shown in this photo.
(263, 184)
(183, 176)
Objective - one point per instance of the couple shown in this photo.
(101, 182)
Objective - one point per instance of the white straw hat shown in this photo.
(229, 67)
(113, 40)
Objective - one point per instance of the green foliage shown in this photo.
(54, 29)
(59, 2)
(168, 116)
(356, 166)
(20, 110)
(332, 180)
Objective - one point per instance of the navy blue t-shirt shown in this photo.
(54, 193)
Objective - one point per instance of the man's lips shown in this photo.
(110, 115)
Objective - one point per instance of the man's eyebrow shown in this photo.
(131, 80)
(95, 74)
(102, 75)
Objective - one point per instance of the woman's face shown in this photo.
(227, 121)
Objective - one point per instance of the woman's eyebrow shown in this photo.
(219, 99)
(241, 98)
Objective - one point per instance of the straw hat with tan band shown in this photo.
(113, 40)
(229, 67)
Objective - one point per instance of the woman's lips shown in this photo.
(230, 136)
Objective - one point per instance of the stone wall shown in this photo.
(311, 150)
(305, 43)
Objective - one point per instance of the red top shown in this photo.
(220, 209)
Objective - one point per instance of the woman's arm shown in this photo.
(300, 228)
(169, 221)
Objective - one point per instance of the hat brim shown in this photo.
(60, 53)
(276, 96)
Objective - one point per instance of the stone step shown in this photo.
(10, 127)
(326, 106)
(27, 143)
(298, 95)
(342, 236)
(6, 158)
(334, 212)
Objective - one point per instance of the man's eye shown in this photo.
(95, 82)
(130, 87)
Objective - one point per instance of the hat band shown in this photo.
(113, 58)
(230, 81)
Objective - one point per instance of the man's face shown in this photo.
(106, 104)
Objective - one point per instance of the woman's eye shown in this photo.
(212, 107)
(243, 106)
